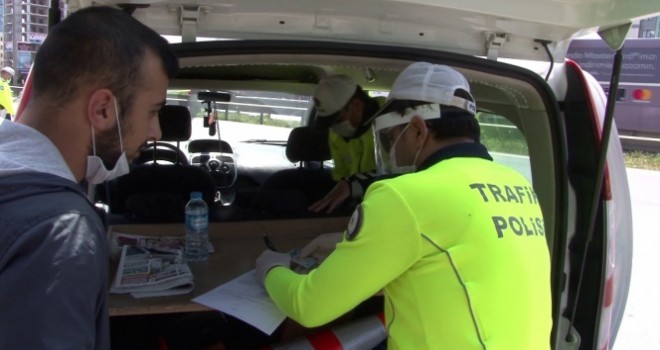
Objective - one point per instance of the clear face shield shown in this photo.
(386, 136)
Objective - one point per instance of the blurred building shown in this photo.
(25, 25)
(2, 33)
(649, 28)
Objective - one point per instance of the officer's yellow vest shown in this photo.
(6, 98)
(460, 251)
(353, 156)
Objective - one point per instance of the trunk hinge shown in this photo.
(188, 18)
(569, 338)
(494, 42)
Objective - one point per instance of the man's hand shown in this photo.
(320, 247)
(269, 259)
(334, 198)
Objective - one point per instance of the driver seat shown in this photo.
(176, 126)
(287, 193)
(154, 193)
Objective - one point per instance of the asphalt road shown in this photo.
(640, 328)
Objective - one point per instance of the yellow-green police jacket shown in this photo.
(352, 156)
(6, 98)
(459, 249)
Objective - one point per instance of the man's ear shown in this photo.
(101, 110)
(421, 130)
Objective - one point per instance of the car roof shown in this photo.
(510, 27)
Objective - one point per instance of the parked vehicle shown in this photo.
(540, 114)
(638, 95)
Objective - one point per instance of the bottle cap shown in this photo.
(195, 195)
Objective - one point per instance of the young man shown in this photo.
(99, 80)
(344, 108)
(457, 246)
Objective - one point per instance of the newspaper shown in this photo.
(152, 266)
(163, 243)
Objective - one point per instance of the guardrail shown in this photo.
(638, 143)
(628, 142)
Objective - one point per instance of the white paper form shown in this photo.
(245, 299)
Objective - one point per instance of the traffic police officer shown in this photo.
(345, 109)
(6, 95)
(458, 246)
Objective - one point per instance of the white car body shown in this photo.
(482, 32)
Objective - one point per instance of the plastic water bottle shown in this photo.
(197, 224)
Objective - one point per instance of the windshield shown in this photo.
(249, 116)
(255, 124)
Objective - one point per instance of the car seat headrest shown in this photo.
(307, 144)
(175, 123)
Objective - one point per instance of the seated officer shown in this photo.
(345, 109)
(456, 243)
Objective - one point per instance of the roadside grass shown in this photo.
(642, 160)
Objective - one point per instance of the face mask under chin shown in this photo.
(392, 166)
(344, 129)
(97, 172)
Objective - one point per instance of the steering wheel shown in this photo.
(163, 151)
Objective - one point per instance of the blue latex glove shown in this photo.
(269, 259)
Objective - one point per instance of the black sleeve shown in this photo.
(360, 182)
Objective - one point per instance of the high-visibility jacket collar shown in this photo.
(468, 150)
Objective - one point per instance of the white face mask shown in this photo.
(402, 169)
(96, 170)
(344, 129)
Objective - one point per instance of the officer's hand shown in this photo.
(333, 199)
(269, 259)
(320, 247)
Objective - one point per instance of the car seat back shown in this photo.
(306, 144)
(158, 192)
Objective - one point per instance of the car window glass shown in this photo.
(505, 142)
(250, 115)
(256, 124)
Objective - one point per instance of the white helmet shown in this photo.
(9, 70)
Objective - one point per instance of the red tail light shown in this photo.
(642, 95)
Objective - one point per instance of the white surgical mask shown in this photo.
(403, 169)
(96, 171)
(344, 129)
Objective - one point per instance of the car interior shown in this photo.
(252, 130)
(248, 176)
(239, 121)
(226, 113)
(157, 192)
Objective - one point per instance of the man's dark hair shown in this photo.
(98, 46)
(455, 122)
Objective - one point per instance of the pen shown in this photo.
(269, 243)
